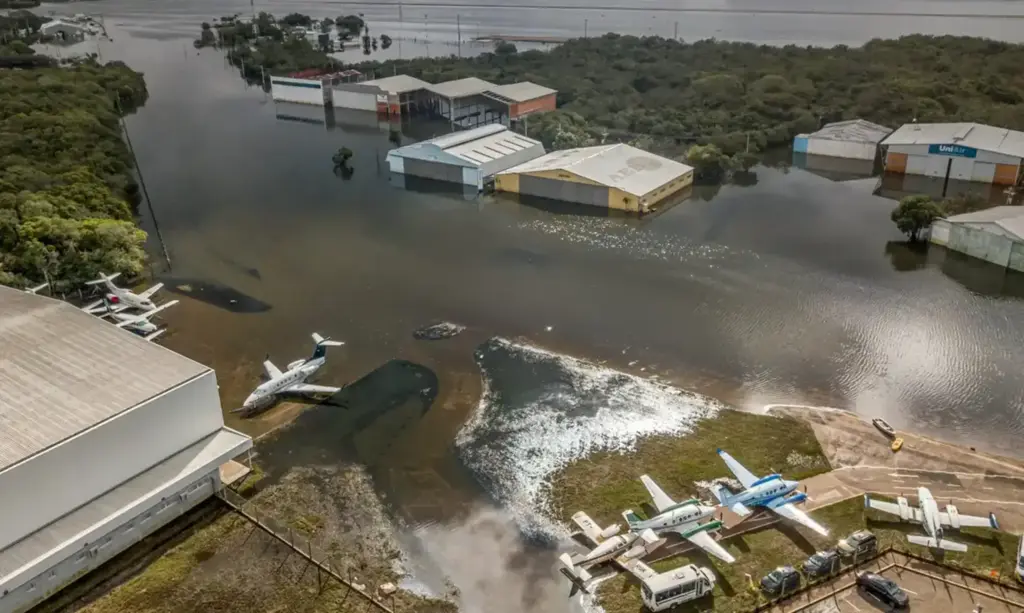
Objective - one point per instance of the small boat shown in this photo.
(897, 444)
(884, 427)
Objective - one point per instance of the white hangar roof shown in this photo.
(63, 371)
(624, 167)
(974, 135)
(853, 130)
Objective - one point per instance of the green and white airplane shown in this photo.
(684, 518)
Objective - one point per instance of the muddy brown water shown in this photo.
(789, 288)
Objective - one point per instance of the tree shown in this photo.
(297, 19)
(914, 214)
(385, 41)
(353, 24)
(710, 165)
(341, 157)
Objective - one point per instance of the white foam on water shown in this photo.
(580, 409)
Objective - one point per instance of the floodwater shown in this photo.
(788, 288)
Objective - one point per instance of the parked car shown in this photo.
(884, 589)
(1020, 560)
(822, 564)
(858, 545)
(782, 580)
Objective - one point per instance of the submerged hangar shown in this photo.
(104, 438)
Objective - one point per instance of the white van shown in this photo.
(665, 590)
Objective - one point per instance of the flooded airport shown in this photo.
(581, 331)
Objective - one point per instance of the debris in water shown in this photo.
(438, 331)
(549, 328)
(634, 363)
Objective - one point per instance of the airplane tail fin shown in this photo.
(721, 493)
(104, 278)
(322, 344)
(578, 577)
(631, 518)
(927, 541)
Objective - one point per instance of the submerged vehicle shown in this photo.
(780, 581)
(884, 589)
(897, 444)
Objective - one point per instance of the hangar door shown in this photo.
(433, 170)
(568, 191)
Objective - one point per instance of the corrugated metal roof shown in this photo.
(995, 213)
(521, 92)
(460, 88)
(974, 135)
(624, 167)
(481, 147)
(498, 151)
(63, 371)
(399, 84)
(1013, 225)
(214, 449)
(853, 130)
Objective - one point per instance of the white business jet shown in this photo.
(120, 298)
(623, 550)
(683, 518)
(928, 515)
(140, 324)
(771, 492)
(292, 380)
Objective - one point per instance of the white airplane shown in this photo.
(121, 298)
(140, 324)
(928, 515)
(683, 518)
(623, 550)
(769, 492)
(292, 380)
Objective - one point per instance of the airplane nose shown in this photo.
(250, 401)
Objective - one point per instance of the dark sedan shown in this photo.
(884, 589)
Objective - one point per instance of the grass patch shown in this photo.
(248, 485)
(605, 483)
(759, 552)
(160, 579)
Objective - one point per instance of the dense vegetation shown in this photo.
(65, 173)
(668, 92)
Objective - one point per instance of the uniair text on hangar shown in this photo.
(957, 151)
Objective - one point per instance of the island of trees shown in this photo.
(67, 193)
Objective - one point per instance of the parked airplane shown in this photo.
(623, 550)
(767, 492)
(292, 380)
(683, 518)
(928, 515)
(121, 298)
(140, 324)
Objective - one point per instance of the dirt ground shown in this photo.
(846, 440)
(229, 566)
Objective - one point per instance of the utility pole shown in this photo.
(586, 27)
(458, 29)
(675, 32)
(401, 30)
(142, 181)
(426, 32)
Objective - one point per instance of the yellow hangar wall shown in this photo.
(617, 199)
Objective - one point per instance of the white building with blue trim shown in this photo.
(957, 151)
(855, 139)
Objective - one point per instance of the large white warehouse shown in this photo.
(468, 157)
(958, 151)
(855, 139)
(104, 438)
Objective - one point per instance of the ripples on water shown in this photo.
(541, 410)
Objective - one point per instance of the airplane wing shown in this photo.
(306, 388)
(272, 371)
(705, 541)
(94, 307)
(971, 520)
(145, 316)
(790, 512)
(153, 335)
(588, 526)
(894, 509)
(661, 500)
(633, 565)
(149, 292)
(743, 475)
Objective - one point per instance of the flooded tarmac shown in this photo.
(787, 288)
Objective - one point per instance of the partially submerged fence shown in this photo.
(326, 567)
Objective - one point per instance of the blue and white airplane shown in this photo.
(771, 492)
